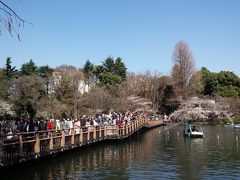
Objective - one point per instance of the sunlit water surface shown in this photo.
(160, 153)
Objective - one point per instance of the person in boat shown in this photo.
(194, 129)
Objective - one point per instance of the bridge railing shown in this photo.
(31, 145)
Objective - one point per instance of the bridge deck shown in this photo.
(28, 146)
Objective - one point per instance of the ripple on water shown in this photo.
(149, 155)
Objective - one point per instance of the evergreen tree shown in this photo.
(29, 68)
(111, 72)
(88, 69)
(88, 73)
(45, 72)
(9, 70)
(224, 83)
(120, 69)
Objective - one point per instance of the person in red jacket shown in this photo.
(50, 126)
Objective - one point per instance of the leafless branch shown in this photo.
(11, 11)
(11, 20)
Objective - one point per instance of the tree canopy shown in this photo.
(224, 83)
(35, 90)
(10, 71)
(184, 65)
(29, 68)
(111, 72)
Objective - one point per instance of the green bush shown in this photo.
(236, 120)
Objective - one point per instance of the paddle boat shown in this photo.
(236, 126)
(193, 131)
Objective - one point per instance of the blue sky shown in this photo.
(142, 32)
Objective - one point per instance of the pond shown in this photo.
(159, 153)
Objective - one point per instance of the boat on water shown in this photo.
(193, 131)
(236, 126)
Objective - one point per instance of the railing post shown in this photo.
(105, 132)
(126, 129)
(63, 141)
(81, 136)
(20, 147)
(88, 134)
(51, 141)
(100, 132)
(72, 136)
(1, 151)
(117, 131)
(37, 144)
(94, 134)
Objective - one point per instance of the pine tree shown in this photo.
(9, 70)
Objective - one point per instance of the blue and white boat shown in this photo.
(236, 126)
(193, 131)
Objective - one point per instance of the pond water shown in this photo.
(159, 153)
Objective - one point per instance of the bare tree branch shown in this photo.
(11, 11)
(11, 20)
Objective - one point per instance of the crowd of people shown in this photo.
(35, 125)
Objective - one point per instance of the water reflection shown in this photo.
(161, 153)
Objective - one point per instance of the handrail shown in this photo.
(30, 145)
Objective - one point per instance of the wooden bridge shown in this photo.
(24, 147)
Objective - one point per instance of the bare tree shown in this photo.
(71, 78)
(184, 64)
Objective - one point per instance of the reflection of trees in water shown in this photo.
(171, 149)
(97, 161)
(190, 157)
(167, 153)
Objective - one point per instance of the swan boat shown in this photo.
(193, 131)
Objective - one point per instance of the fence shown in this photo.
(33, 145)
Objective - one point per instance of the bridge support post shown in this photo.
(100, 132)
(37, 144)
(51, 141)
(63, 139)
(123, 131)
(105, 132)
(20, 147)
(1, 151)
(118, 131)
(72, 136)
(88, 134)
(94, 134)
(81, 136)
